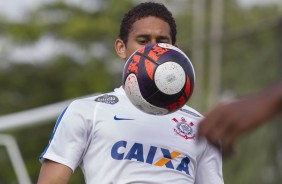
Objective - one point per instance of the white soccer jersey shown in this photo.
(115, 143)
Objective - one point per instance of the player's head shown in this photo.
(145, 23)
(144, 10)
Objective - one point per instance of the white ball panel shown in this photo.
(168, 46)
(132, 91)
(170, 78)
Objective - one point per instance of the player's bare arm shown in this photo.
(226, 122)
(54, 173)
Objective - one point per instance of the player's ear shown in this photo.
(120, 48)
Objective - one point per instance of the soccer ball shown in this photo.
(158, 79)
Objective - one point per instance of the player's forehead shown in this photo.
(150, 27)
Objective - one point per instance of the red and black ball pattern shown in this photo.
(158, 78)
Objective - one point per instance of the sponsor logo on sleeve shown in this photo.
(107, 99)
(190, 113)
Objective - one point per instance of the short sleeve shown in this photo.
(209, 170)
(70, 135)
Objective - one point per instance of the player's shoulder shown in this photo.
(189, 111)
(110, 98)
(82, 102)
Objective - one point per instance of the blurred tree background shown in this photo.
(61, 50)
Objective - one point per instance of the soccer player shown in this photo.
(114, 142)
(226, 122)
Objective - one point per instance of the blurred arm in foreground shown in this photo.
(226, 122)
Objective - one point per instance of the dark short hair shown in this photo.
(144, 10)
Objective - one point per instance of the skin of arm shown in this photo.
(54, 173)
(227, 121)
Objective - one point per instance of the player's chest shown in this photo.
(148, 134)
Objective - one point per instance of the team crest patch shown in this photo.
(184, 129)
(108, 99)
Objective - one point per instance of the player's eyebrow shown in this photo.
(143, 36)
(147, 36)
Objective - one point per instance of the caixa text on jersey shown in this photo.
(160, 157)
